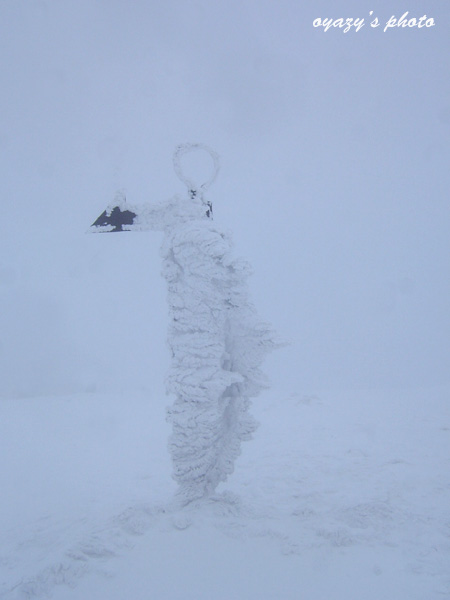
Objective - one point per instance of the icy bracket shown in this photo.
(195, 188)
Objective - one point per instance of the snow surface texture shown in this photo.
(216, 339)
(340, 496)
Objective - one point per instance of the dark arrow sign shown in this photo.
(115, 218)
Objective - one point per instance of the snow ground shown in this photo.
(341, 495)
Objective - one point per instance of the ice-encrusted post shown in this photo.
(216, 340)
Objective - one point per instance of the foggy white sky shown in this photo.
(334, 180)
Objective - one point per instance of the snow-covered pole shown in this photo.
(216, 339)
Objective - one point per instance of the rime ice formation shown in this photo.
(217, 342)
(217, 345)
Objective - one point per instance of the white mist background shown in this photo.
(334, 181)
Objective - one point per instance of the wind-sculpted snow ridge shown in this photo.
(216, 339)
(62, 566)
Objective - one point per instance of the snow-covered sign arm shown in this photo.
(122, 216)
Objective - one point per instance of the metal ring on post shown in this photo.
(191, 185)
